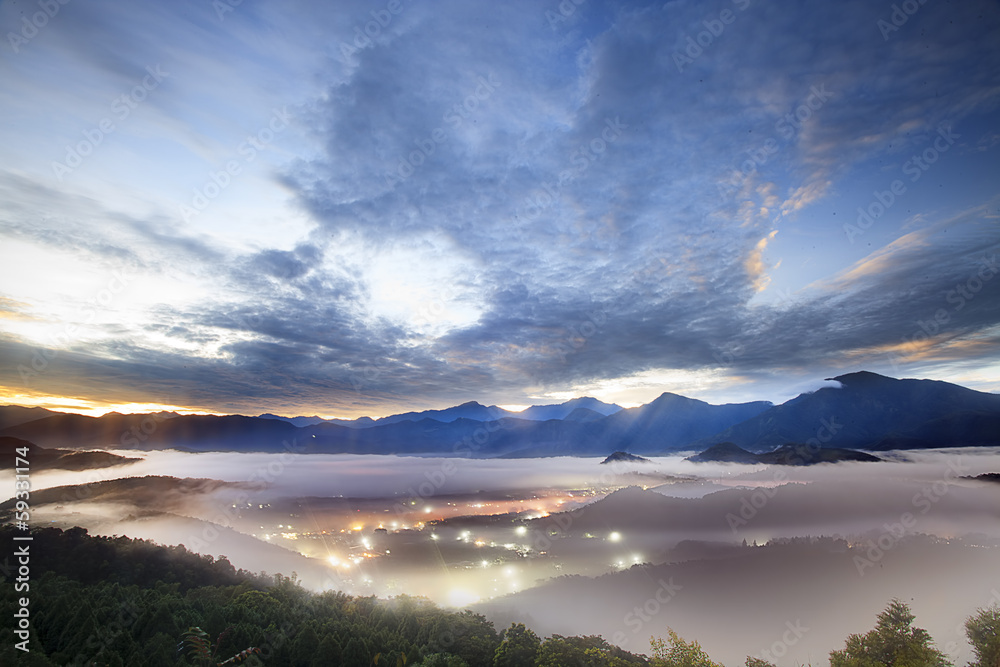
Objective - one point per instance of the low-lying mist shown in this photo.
(541, 540)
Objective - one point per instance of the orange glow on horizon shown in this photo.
(90, 408)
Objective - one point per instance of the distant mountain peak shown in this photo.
(861, 377)
(624, 457)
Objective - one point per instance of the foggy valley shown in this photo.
(825, 545)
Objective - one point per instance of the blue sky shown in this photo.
(353, 208)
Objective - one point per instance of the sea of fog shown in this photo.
(621, 530)
(371, 476)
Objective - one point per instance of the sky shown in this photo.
(349, 208)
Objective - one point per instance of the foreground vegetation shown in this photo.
(120, 601)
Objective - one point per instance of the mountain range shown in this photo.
(578, 409)
(864, 411)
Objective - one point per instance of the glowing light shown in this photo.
(434, 536)
(636, 558)
(485, 564)
(427, 510)
(521, 530)
(333, 560)
(366, 543)
(461, 598)
(615, 537)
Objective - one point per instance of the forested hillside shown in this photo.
(121, 601)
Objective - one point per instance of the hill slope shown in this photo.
(864, 411)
